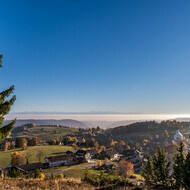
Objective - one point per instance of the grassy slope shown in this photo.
(31, 152)
(76, 172)
(48, 132)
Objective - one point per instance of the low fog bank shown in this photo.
(99, 117)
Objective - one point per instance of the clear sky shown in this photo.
(97, 55)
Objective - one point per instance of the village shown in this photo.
(87, 152)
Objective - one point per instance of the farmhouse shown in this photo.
(31, 168)
(70, 153)
(59, 160)
(82, 154)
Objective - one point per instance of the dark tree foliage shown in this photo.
(147, 171)
(179, 166)
(187, 172)
(5, 106)
(156, 170)
(147, 126)
(161, 168)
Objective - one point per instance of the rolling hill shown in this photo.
(64, 122)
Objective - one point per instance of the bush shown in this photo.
(61, 176)
(42, 176)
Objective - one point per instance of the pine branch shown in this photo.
(5, 130)
(6, 106)
(6, 93)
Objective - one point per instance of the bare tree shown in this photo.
(39, 155)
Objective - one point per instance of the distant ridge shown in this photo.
(76, 113)
(63, 122)
(182, 119)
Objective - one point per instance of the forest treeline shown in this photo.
(148, 126)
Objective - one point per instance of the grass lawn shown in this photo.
(55, 169)
(75, 172)
(31, 152)
(46, 132)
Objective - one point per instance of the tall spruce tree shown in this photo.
(161, 168)
(179, 166)
(187, 172)
(147, 171)
(5, 106)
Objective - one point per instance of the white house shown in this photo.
(178, 136)
(61, 160)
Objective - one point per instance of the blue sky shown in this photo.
(101, 55)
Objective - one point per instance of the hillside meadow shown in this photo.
(45, 132)
(31, 153)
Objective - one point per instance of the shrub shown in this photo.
(18, 158)
(61, 176)
(42, 176)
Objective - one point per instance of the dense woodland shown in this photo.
(149, 127)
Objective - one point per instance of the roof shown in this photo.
(28, 167)
(81, 152)
(59, 158)
(93, 151)
(111, 152)
(129, 152)
(69, 152)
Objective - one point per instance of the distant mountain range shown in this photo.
(64, 122)
(82, 124)
(182, 119)
(77, 113)
(73, 123)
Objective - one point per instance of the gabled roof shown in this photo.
(81, 152)
(129, 152)
(93, 151)
(28, 167)
(59, 158)
(110, 152)
(69, 152)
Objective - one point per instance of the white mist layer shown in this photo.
(98, 117)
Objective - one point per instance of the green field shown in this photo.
(46, 132)
(75, 172)
(31, 152)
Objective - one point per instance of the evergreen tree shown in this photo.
(147, 171)
(161, 168)
(179, 166)
(187, 172)
(5, 106)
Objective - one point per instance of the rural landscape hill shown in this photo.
(64, 122)
(73, 123)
